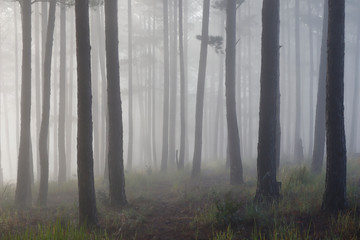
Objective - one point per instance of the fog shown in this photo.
(148, 83)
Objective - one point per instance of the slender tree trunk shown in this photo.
(319, 134)
(115, 154)
(130, 60)
(23, 196)
(335, 183)
(267, 186)
(44, 129)
(16, 77)
(38, 61)
(62, 100)
(299, 155)
(201, 89)
(164, 156)
(236, 174)
(182, 89)
(87, 201)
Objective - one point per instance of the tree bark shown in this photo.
(23, 196)
(319, 134)
(201, 89)
(335, 184)
(130, 60)
(44, 129)
(87, 201)
(267, 186)
(236, 174)
(115, 154)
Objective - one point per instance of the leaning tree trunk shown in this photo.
(87, 201)
(115, 154)
(201, 90)
(23, 196)
(319, 134)
(44, 128)
(236, 171)
(165, 138)
(335, 184)
(62, 100)
(267, 186)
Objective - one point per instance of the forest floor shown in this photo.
(174, 206)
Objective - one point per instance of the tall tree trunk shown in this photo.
(130, 63)
(335, 184)
(236, 174)
(16, 77)
(299, 155)
(165, 138)
(201, 89)
(319, 134)
(62, 100)
(44, 129)
(87, 201)
(267, 186)
(23, 196)
(115, 154)
(173, 87)
(182, 89)
(38, 61)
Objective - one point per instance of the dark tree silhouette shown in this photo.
(85, 161)
(23, 196)
(200, 90)
(44, 128)
(335, 184)
(267, 186)
(236, 174)
(115, 154)
(319, 134)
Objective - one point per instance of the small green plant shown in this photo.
(227, 210)
(226, 235)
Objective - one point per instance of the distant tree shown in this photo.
(182, 89)
(62, 99)
(267, 186)
(335, 184)
(164, 156)
(44, 128)
(236, 172)
(200, 89)
(87, 201)
(23, 196)
(130, 63)
(319, 134)
(115, 154)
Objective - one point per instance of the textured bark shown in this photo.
(267, 186)
(130, 59)
(319, 133)
(44, 128)
(335, 184)
(182, 89)
(164, 156)
(23, 197)
(236, 171)
(115, 154)
(85, 161)
(62, 100)
(201, 89)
